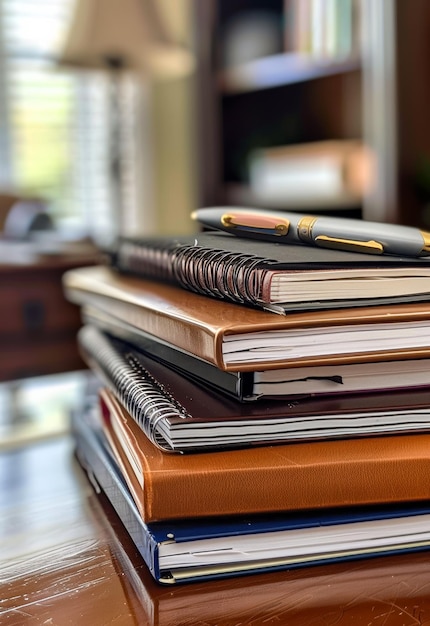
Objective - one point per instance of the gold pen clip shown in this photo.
(426, 239)
(264, 223)
(350, 245)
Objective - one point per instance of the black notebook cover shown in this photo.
(178, 415)
(238, 269)
(282, 385)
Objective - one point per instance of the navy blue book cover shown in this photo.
(95, 457)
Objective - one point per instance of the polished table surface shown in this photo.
(66, 559)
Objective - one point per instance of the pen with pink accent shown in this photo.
(326, 232)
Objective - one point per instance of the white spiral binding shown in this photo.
(147, 401)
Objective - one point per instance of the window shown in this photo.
(54, 123)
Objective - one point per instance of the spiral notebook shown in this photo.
(193, 550)
(239, 338)
(178, 415)
(287, 383)
(275, 276)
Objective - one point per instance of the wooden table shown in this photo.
(66, 559)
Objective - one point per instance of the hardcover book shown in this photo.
(311, 595)
(279, 384)
(275, 276)
(239, 338)
(268, 479)
(192, 550)
(178, 415)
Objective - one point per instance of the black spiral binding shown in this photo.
(232, 276)
(147, 401)
(150, 261)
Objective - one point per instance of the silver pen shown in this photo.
(338, 233)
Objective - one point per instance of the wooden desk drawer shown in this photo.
(38, 325)
(33, 307)
(39, 356)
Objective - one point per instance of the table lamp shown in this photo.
(119, 36)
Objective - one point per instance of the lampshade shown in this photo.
(129, 34)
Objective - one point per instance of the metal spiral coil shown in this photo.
(227, 275)
(147, 401)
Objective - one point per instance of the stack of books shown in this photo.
(262, 406)
(328, 29)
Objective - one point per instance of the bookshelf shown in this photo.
(291, 95)
(280, 70)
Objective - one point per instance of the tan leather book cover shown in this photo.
(204, 326)
(267, 479)
(179, 415)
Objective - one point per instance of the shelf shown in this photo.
(281, 69)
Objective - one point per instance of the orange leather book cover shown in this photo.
(211, 329)
(267, 479)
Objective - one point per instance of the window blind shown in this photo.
(54, 123)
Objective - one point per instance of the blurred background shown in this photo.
(119, 117)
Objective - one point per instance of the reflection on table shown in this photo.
(66, 559)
